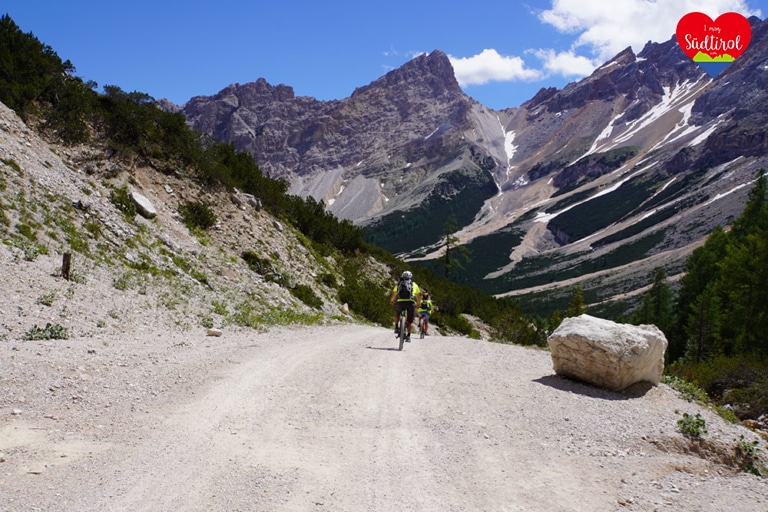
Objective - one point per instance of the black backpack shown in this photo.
(405, 289)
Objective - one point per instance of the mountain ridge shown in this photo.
(410, 150)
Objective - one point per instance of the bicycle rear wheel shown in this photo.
(403, 330)
(421, 328)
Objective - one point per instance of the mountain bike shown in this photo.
(403, 328)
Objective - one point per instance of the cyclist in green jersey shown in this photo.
(425, 310)
(406, 296)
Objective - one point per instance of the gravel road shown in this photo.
(335, 418)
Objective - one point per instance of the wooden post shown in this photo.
(66, 264)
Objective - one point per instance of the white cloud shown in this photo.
(603, 31)
(599, 31)
(566, 63)
(489, 66)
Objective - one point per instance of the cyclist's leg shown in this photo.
(398, 312)
(410, 311)
(397, 315)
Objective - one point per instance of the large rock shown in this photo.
(606, 354)
(143, 205)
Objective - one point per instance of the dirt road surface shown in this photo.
(335, 418)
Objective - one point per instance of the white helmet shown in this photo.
(407, 275)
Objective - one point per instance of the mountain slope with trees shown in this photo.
(716, 320)
(601, 182)
(123, 141)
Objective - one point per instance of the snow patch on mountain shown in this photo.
(678, 100)
(704, 135)
(667, 104)
(728, 192)
(605, 134)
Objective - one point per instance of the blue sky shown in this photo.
(503, 51)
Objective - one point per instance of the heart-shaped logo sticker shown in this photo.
(713, 44)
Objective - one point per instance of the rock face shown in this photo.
(402, 140)
(606, 354)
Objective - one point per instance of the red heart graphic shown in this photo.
(699, 36)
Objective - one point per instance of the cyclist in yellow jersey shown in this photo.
(425, 310)
(406, 296)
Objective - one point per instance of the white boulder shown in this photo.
(143, 205)
(607, 354)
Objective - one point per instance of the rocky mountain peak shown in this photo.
(432, 71)
(405, 115)
(259, 91)
(623, 58)
(641, 79)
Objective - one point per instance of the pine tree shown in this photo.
(656, 307)
(703, 326)
(455, 254)
(555, 320)
(753, 218)
(723, 300)
(702, 269)
(743, 283)
(576, 306)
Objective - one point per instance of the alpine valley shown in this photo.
(597, 184)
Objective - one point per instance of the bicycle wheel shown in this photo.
(403, 330)
(421, 328)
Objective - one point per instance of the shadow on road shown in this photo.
(573, 386)
(383, 348)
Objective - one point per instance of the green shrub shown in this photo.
(120, 198)
(12, 164)
(26, 232)
(368, 299)
(49, 332)
(187, 267)
(128, 280)
(31, 250)
(329, 280)
(77, 241)
(197, 215)
(219, 307)
(457, 323)
(252, 313)
(94, 228)
(692, 426)
(256, 263)
(727, 380)
(306, 295)
(687, 390)
(748, 458)
(46, 300)
(262, 266)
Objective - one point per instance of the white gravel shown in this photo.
(335, 418)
